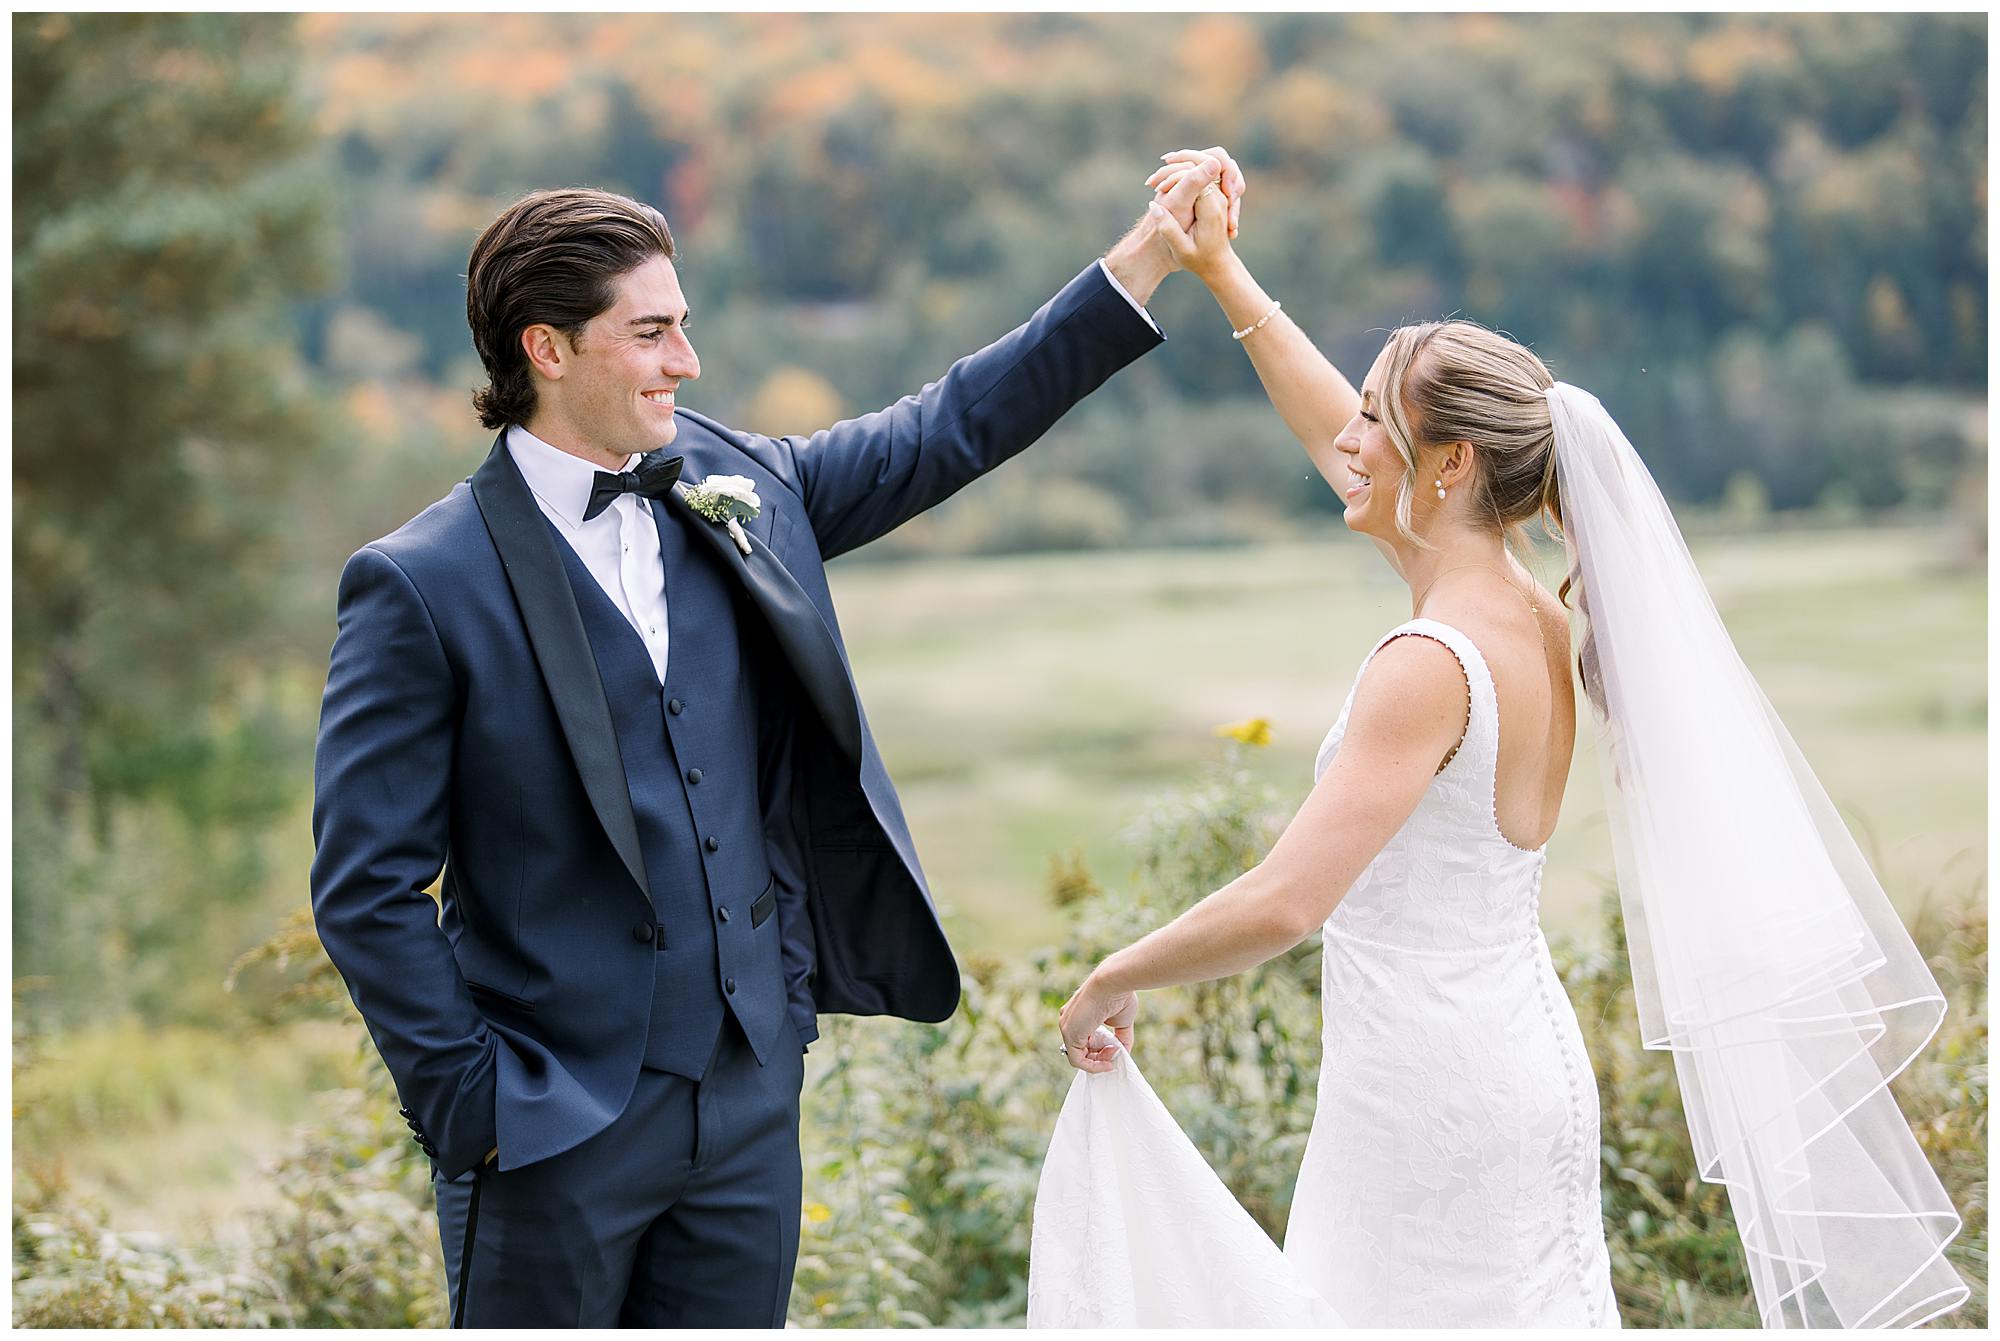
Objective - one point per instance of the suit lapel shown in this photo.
(803, 636)
(562, 649)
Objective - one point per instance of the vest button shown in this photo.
(643, 931)
(722, 914)
(674, 706)
(714, 844)
(694, 775)
(729, 986)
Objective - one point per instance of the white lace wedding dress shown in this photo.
(1450, 1178)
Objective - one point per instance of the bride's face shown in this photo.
(1375, 468)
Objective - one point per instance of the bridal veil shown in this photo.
(1765, 955)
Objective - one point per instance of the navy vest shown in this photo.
(689, 749)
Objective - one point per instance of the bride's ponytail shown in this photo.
(1588, 672)
(1452, 381)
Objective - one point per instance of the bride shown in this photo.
(1451, 1174)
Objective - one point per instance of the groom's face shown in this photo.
(618, 393)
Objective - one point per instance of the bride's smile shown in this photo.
(1372, 464)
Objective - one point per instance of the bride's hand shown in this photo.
(1203, 247)
(1091, 1005)
(1231, 181)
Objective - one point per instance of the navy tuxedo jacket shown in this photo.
(465, 730)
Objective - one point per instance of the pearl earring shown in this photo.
(1440, 487)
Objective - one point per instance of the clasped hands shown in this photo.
(1197, 205)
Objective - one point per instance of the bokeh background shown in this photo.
(240, 353)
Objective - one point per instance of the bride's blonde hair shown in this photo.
(1453, 381)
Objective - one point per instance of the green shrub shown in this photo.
(923, 1143)
(72, 1270)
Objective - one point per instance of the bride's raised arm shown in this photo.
(1309, 393)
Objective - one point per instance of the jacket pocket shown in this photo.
(493, 996)
(766, 903)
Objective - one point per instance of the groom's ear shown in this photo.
(548, 351)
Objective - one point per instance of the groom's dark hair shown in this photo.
(551, 258)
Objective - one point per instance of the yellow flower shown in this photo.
(817, 1213)
(1256, 731)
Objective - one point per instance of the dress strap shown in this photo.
(1482, 731)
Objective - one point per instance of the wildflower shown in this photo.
(1256, 731)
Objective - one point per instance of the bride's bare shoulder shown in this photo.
(1411, 690)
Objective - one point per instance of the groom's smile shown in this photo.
(611, 393)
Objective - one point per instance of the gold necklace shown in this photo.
(1434, 581)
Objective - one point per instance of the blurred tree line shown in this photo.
(1759, 238)
(168, 213)
(240, 346)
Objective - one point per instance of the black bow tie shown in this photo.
(654, 481)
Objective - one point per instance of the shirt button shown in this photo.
(674, 706)
(714, 844)
(722, 914)
(694, 775)
(643, 931)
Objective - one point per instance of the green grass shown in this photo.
(1032, 705)
(168, 1125)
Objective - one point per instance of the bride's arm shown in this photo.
(1311, 395)
(1409, 709)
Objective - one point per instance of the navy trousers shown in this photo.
(684, 1212)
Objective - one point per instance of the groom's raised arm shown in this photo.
(864, 477)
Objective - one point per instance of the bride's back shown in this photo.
(1536, 694)
(1447, 1036)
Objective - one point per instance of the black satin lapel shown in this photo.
(555, 629)
(807, 642)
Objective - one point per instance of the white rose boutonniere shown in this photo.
(729, 500)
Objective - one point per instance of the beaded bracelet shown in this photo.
(1258, 325)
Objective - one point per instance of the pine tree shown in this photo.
(168, 212)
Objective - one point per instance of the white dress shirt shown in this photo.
(1113, 281)
(620, 545)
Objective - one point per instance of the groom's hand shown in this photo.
(1142, 258)
(1231, 182)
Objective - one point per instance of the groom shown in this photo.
(618, 718)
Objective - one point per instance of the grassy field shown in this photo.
(1034, 706)
(1030, 706)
